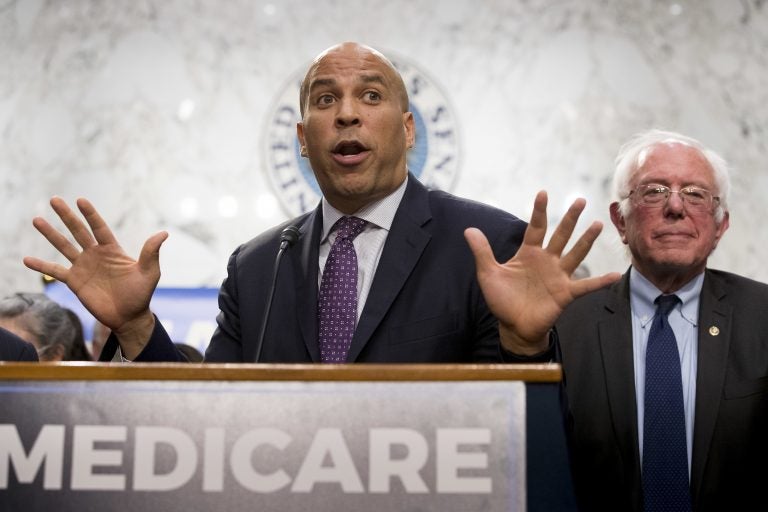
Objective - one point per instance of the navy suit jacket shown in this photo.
(424, 305)
(730, 446)
(13, 348)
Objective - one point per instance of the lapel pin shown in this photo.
(714, 331)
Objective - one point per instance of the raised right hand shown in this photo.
(114, 287)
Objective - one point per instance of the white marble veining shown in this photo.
(157, 111)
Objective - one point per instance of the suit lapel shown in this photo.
(714, 342)
(405, 243)
(305, 265)
(618, 364)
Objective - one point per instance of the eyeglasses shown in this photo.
(654, 195)
(23, 297)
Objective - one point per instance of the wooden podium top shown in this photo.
(539, 373)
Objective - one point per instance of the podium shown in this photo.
(105, 436)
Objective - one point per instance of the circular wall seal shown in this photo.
(434, 160)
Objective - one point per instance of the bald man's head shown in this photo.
(357, 53)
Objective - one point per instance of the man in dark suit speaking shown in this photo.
(380, 271)
(666, 370)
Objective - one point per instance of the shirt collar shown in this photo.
(379, 213)
(643, 293)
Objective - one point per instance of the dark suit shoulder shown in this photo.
(610, 299)
(746, 298)
(734, 283)
(268, 242)
(14, 348)
(444, 204)
(452, 213)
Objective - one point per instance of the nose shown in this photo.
(674, 205)
(347, 114)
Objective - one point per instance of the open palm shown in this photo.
(528, 292)
(114, 287)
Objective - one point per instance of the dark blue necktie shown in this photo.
(665, 453)
(337, 302)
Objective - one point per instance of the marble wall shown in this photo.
(164, 113)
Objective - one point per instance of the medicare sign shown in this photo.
(290, 446)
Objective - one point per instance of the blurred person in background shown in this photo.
(190, 353)
(98, 338)
(40, 321)
(78, 351)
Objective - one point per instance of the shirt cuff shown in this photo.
(118, 357)
(545, 356)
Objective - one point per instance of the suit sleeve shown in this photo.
(28, 353)
(551, 354)
(159, 348)
(226, 345)
(14, 348)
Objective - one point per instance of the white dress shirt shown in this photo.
(369, 244)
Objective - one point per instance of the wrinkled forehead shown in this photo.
(350, 61)
(674, 160)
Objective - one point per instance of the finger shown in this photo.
(54, 270)
(480, 248)
(56, 239)
(100, 229)
(581, 248)
(537, 228)
(75, 226)
(590, 284)
(565, 228)
(149, 258)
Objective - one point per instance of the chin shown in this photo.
(355, 190)
(676, 264)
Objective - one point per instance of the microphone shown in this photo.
(288, 237)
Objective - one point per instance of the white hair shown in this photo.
(634, 152)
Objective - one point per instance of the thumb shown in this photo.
(149, 258)
(480, 248)
(590, 284)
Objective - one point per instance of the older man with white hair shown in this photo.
(666, 370)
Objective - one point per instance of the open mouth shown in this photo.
(347, 148)
(350, 152)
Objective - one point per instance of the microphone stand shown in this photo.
(288, 237)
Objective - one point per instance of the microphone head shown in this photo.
(289, 236)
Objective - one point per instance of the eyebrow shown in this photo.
(321, 82)
(374, 79)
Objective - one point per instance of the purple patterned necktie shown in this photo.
(337, 304)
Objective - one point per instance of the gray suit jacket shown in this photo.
(730, 448)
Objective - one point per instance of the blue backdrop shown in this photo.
(188, 314)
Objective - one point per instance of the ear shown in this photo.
(721, 228)
(618, 220)
(410, 129)
(302, 142)
(54, 353)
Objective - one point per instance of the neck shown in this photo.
(668, 280)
